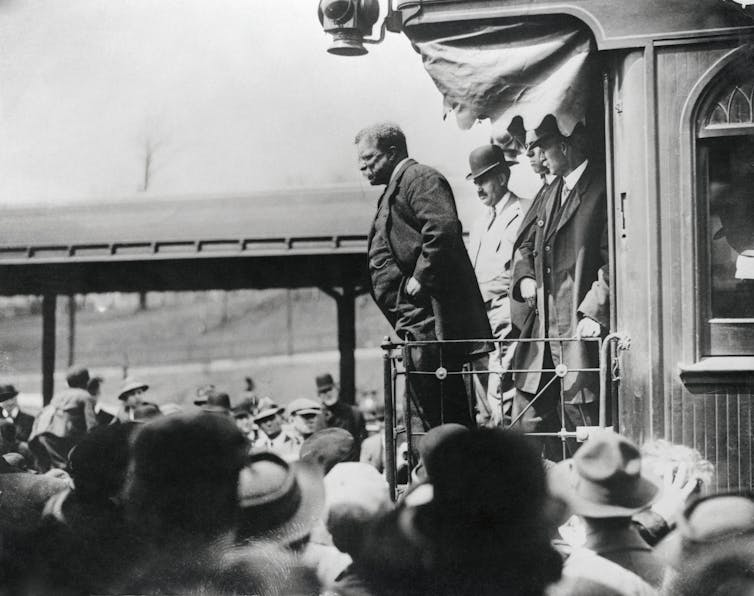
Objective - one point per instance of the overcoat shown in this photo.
(519, 310)
(425, 240)
(569, 261)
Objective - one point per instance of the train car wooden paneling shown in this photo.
(655, 94)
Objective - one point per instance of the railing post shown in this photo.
(389, 400)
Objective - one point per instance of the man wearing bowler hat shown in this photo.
(562, 280)
(337, 413)
(421, 275)
(10, 411)
(491, 250)
(605, 485)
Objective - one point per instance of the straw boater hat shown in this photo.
(604, 478)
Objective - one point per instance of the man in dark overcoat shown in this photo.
(421, 276)
(562, 276)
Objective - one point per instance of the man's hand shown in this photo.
(528, 288)
(413, 287)
(588, 328)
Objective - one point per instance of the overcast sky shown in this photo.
(235, 95)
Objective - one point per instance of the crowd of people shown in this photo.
(247, 495)
(209, 499)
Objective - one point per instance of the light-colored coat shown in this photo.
(500, 236)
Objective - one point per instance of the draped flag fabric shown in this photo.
(527, 67)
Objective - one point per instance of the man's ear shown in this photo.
(392, 153)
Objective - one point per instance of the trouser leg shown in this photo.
(437, 400)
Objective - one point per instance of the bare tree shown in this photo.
(150, 148)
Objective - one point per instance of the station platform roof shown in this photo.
(281, 238)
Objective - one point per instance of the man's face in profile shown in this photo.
(375, 165)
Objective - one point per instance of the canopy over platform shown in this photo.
(503, 60)
(280, 239)
(294, 238)
(614, 23)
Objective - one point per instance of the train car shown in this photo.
(670, 85)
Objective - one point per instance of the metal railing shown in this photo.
(399, 421)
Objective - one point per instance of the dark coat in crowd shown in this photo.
(350, 418)
(568, 258)
(23, 423)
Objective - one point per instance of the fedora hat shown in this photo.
(547, 128)
(267, 408)
(279, 501)
(325, 382)
(7, 392)
(604, 478)
(202, 392)
(512, 147)
(486, 158)
(217, 402)
(129, 386)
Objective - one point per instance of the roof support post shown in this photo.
(347, 343)
(48, 346)
(345, 301)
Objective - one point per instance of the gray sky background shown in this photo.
(236, 95)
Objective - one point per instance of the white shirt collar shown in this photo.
(549, 178)
(572, 179)
(503, 203)
(396, 168)
(12, 413)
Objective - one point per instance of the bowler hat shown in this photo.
(129, 386)
(279, 501)
(486, 158)
(547, 128)
(217, 402)
(325, 382)
(604, 478)
(302, 405)
(7, 392)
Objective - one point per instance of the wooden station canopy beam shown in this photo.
(272, 240)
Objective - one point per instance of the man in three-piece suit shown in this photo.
(421, 276)
(562, 278)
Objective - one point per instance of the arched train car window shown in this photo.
(725, 162)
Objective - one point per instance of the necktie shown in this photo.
(492, 216)
(564, 193)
